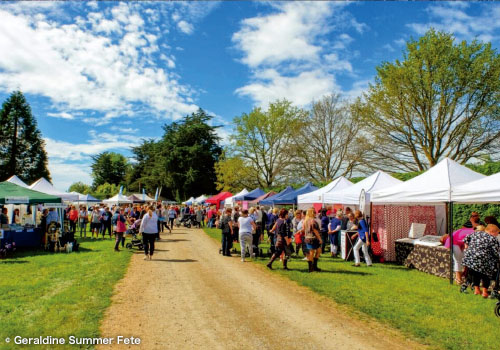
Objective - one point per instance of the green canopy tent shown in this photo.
(14, 194)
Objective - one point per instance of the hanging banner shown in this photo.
(17, 200)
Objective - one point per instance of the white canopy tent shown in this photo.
(143, 197)
(189, 201)
(350, 195)
(117, 199)
(229, 202)
(435, 186)
(485, 190)
(44, 186)
(200, 199)
(17, 181)
(307, 199)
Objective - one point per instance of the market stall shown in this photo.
(218, 198)
(26, 234)
(16, 180)
(316, 198)
(230, 202)
(290, 198)
(117, 199)
(261, 198)
(44, 186)
(270, 200)
(422, 199)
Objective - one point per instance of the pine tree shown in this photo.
(22, 149)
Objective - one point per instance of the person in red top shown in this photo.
(73, 219)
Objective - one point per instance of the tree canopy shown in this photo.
(22, 149)
(182, 161)
(109, 167)
(441, 100)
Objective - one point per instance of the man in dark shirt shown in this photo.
(4, 219)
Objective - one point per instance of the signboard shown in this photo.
(17, 200)
(54, 205)
(362, 201)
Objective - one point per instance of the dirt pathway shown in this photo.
(190, 297)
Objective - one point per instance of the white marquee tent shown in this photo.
(189, 201)
(229, 202)
(17, 181)
(485, 190)
(435, 186)
(307, 199)
(200, 199)
(118, 199)
(42, 185)
(350, 195)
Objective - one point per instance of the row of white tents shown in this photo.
(44, 186)
(446, 182)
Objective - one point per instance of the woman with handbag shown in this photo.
(313, 240)
(149, 230)
(282, 233)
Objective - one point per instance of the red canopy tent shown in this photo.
(218, 198)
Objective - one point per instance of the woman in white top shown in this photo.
(246, 227)
(149, 230)
(83, 218)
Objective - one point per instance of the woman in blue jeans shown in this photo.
(149, 230)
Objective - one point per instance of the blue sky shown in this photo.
(102, 75)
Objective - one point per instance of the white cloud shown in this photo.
(290, 54)
(82, 69)
(301, 89)
(185, 27)
(62, 115)
(59, 171)
(453, 17)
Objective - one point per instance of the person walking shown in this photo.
(199, 216)
(119, 222)
(83, 219)
(363, 240)
(226, 226)
(95, 223)
(313, 240)
(246, 226)
(324, 228)
(149, 230)
(172, 214)
(283, 236)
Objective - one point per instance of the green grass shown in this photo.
(423, 307)
(58, 294)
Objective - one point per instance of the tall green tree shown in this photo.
(182, 161)
(441, 100)
(262, 139)
(80, 187)
(22, 149)
(109, 167)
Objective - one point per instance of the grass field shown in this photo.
(422, 306)
(58, 294)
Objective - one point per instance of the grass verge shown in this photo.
(58, 294)
(422, 306)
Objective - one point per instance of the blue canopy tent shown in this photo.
(291, 197)
(270, 200)
(250, 196)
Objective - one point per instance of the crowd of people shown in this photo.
(149, 220)
(290, 232)
(476, 252)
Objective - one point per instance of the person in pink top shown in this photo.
(458, 250)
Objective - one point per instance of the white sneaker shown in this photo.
(242, 260)
(305, 259)
(146, 257)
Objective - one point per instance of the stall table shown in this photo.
(431, 259)
(24, 238)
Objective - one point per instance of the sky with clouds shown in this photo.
(100, 76)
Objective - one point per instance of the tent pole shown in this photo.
(450, 232)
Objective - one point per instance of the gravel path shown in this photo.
(190, 297)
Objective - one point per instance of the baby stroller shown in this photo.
(187, 221)
(135, 241)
